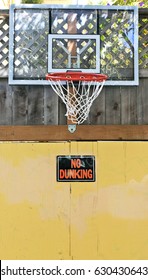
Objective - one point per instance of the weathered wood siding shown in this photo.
(39, 105)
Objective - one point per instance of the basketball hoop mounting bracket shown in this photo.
(72, 128)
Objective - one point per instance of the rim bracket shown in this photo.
(72, 128)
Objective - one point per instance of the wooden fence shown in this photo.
(38, 105)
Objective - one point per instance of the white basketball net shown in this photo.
(78, 97)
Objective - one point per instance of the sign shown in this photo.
(75, 168)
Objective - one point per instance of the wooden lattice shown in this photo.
(117, 38)
(117, 43)
(143, 41)
(31, 31)
(86, 21)
(86, 58)
(31, 40)
(4, 42)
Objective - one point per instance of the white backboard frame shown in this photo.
(73, 37)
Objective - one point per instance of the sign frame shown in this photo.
(75, 168)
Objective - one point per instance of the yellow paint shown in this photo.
(41, 218)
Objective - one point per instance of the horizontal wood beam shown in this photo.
(143, 72)
(83, 133)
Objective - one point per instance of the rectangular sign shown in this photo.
(76, 168)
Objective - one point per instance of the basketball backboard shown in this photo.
(53, 38)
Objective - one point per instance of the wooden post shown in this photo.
(72, 46)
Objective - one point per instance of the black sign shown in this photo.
(75, 168)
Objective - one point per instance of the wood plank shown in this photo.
(142, 101)
(97, 112)
(61, 112)
(82, 133)
(19, 104)
(35, 105)
(72, 48)
(129, 105)
(143, 72)
(113, 103)
(50, 106)
(139, 105)
(5, 103)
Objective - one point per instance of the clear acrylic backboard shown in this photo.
(52, 38)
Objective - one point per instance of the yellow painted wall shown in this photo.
(44, 219)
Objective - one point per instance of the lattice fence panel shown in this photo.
(62, 22)
(143, 41)
(117, 38)
(117, 43)
(4, 43)
(32, 47)
(31, 43)
(78, 22)
(85, 49)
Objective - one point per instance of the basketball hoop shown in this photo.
(78, 92)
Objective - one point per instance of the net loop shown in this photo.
(78, 91)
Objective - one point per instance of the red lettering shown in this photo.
(75, 163)
(76, 174)
(62, 174)
(85, 173)
(72, 173)
(90, 174)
